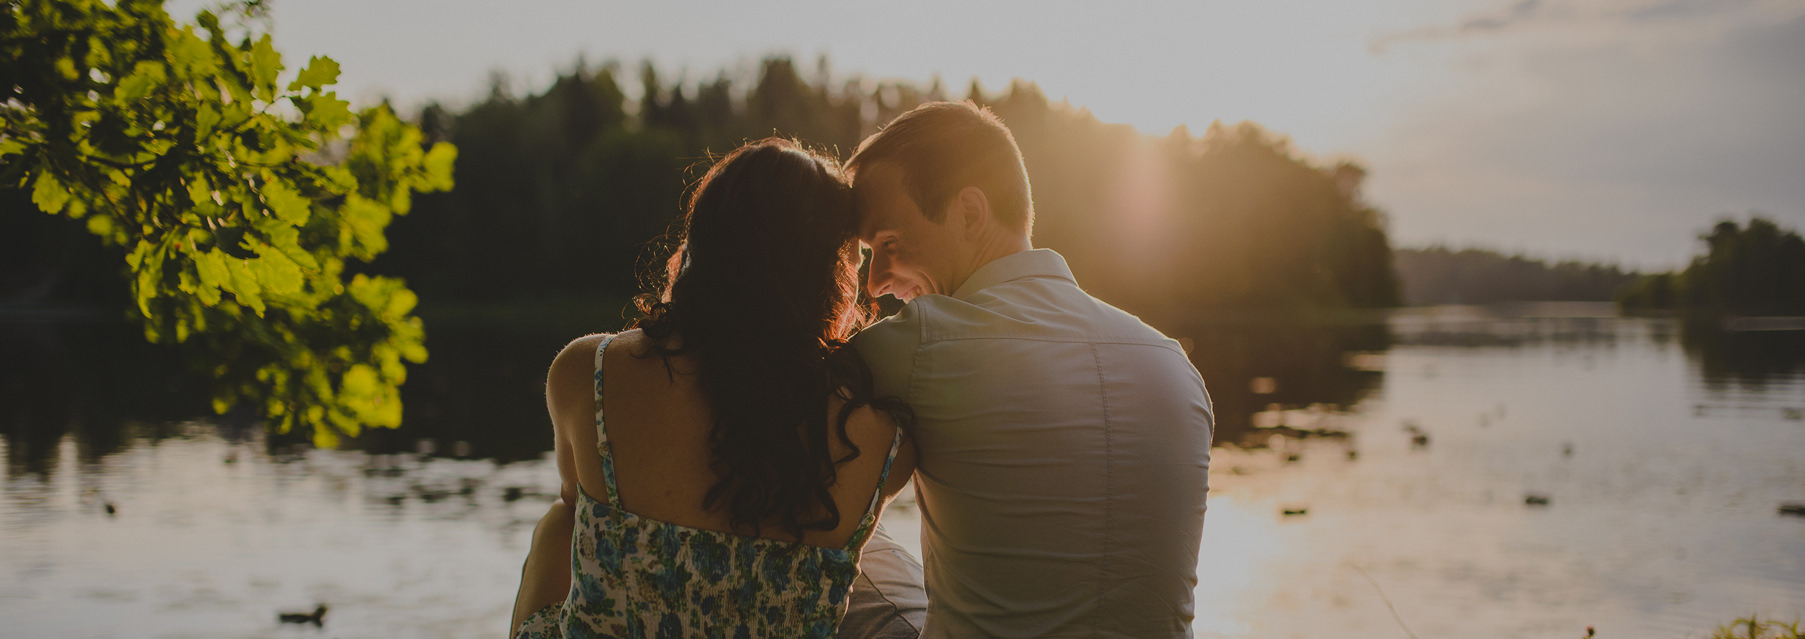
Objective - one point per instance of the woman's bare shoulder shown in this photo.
(579, 354)
(571, 380)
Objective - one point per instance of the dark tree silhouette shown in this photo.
(560, 192)
(1439, 275)
(1758, 269)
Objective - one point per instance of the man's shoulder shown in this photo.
(1057, 310)
(1125, 324)
(888, 348)
(900, 330)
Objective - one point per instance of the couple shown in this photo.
(1059, 446)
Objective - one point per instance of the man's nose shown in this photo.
(877, 275)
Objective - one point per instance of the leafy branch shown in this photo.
(239, 199)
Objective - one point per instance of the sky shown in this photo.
(1608, 130)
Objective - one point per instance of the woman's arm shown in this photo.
(545, 577)
(872, 431)
(569, 400)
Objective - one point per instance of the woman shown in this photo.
(743, 461)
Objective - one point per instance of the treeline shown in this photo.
(1757, 269)
(1440, 275)
(558, 192)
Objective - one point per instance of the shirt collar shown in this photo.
(1015, 266)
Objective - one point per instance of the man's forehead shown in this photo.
(877, 192)
(877, 175)
(862, 210)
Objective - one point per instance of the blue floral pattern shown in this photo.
(634, 577)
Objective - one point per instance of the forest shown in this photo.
(566, 192)
(1441, 275)
(1756, 268)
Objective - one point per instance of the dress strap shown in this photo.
(869, 521)
(601, 432)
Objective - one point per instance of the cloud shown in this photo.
(1610, 151)
(1594, 18)
(1516, 14)
(1684, 9)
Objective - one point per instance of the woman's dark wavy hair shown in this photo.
(763, 292)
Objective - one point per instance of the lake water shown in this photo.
(1411, 446)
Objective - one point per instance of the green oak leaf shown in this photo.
(245, 286)
(287, 203)
(326, 111)
(265, 64)
(49, 194)
(320, 72)
(147, 75)
(213, 272)
(278, 274)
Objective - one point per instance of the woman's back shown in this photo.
(658, 423)
(649, 558)
(722, 463)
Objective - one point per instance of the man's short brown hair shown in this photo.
(942, 147)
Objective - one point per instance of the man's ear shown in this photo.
(973, 210)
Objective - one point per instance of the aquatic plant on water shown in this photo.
(1753, 627)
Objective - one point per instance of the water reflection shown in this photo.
(1267, 375)
(480, 395)
(1561, 324)
(94, 379)
(1754, 359)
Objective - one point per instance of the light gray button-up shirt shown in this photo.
(1064, 456)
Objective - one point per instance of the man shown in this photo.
(1063, 444)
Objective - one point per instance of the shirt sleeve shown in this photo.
(889, 347)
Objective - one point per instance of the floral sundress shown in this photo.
(634, 577)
